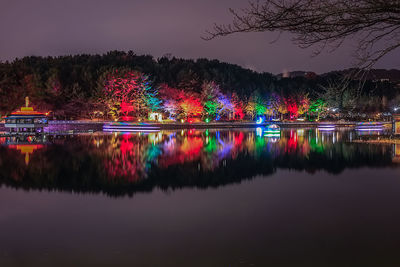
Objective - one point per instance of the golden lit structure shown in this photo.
(26, 121)
(396, 124)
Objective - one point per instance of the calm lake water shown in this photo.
(303, 197)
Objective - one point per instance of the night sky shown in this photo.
(156, 27)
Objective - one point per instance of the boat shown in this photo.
(130, 127)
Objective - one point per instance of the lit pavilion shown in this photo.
(396, 124)
(26, 121)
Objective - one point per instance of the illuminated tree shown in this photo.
(209, 97)
(190, 104)
(282, 108)
(291, 107)
(171, 107)
(170, 98)
(210, 108)
(274, 103)
(129, 92)
(260, 109)
(238, 107)
(304, 104)
(215, 103)
(256, 105)
(149, 95)
(250, 108)
(317, 107)
(225, 106)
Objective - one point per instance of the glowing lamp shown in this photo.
(260, 120)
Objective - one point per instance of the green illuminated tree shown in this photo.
(317, 107)
(256, 105)
(209, 98)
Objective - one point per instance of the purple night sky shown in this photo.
(156, 27)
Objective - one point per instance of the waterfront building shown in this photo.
(396, 124)
(155, 116)
(26, 121)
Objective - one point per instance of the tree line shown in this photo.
(119, 84)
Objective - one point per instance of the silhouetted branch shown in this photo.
(323, 24)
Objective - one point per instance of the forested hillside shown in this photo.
(74, 86)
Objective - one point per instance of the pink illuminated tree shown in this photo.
(170, 98)
(129, 92)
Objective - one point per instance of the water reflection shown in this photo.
(122, 164)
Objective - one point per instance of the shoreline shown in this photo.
(387, 141)
(77, 126)
(244, 124)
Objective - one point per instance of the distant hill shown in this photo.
(295, 74)
(392, 75)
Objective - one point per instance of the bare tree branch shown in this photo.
(323, 24)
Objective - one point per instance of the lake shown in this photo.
(243, 197)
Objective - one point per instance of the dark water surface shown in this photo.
(200, 198)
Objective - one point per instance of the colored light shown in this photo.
(259, 131)
(369, 129)
(369, 126)
(260, 120)
(130, 130)
(130, 127)
(272, 135)
(327, 127)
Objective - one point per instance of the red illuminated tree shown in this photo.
(190, 104)
(292, 108)
(238, 107)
